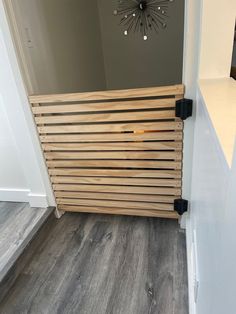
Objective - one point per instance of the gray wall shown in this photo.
(73, 30)
(78, 45)
(132, 62)
(65, 54)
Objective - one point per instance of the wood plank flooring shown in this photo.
(104, 264)
(18, 224)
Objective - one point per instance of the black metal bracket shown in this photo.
(184, 108)
(180, 206)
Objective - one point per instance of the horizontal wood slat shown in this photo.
(117, 189)
(106, 106)
(112, 137)
(119, 211)
(112, 94)
(117, 196)
(175, 174)
(109, 203)
(114, 155)
(107, 117)
(108, 128)
(116, 152)
(113, 146)
(117, 181)
(147, 164)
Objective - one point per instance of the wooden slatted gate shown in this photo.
(116, 152)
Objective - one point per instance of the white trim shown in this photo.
(192, 26)
(37, 200)
(190, 266)
(24, 195)
(14, 195)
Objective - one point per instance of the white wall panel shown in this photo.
(212, 220)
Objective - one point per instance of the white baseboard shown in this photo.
(14, 195)
(23, 195)
(37, 200)
(191, 267)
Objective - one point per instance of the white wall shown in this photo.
(13, 184)
(213, 220)
(17, 109)
(209, 27)
(218, 20)
(228, 244)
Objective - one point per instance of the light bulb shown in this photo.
(145, 37)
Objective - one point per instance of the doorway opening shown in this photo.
(104, 100)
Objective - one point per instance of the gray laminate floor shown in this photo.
(18, 224)
(101, 264)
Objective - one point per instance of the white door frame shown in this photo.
(18, 110)
(28, 74)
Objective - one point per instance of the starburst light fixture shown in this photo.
(143, 16)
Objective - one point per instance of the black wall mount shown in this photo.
(180, 206)
(184, 108)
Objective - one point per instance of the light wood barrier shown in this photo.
(113, 152)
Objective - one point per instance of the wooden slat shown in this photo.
(107, 95)
(118, 127)
(119, 211)
(107, 117)
(113, 146)
(116, 196)
(116, 152)
(114, 155)
(109, 203)
(106, 106)
(114, 164)
(112, 137)
(117, 189)
(116, 173)
(117, 181)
